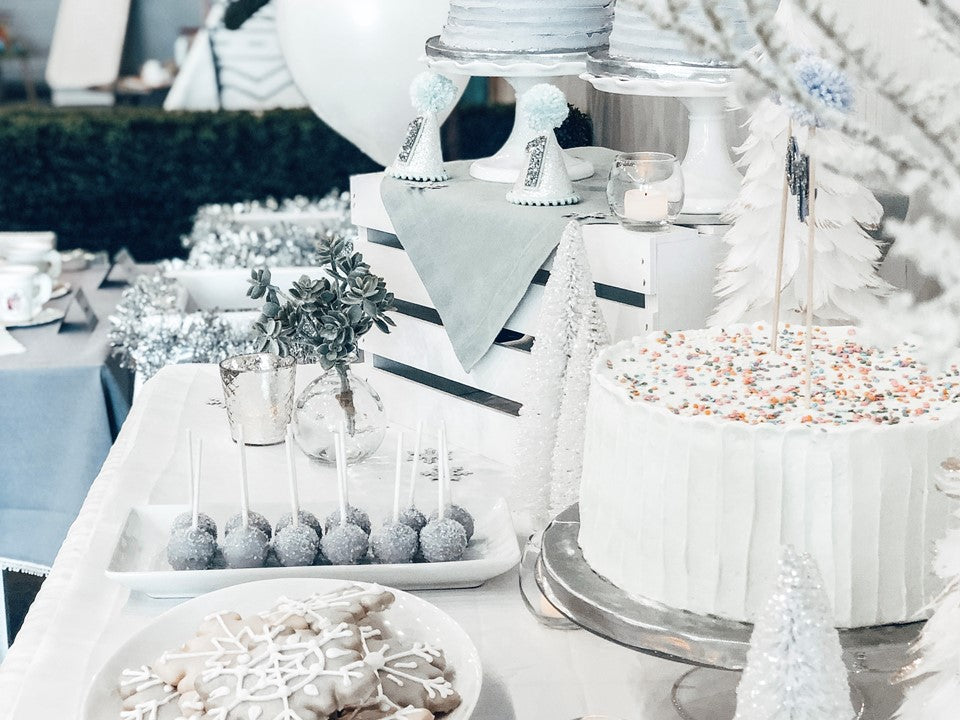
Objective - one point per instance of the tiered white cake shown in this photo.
(528, 25)
(636, 36)
(702, 458)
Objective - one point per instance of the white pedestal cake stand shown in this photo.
(714, 646)
(711, 181)
(522, 71)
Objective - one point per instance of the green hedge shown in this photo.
(104, 179)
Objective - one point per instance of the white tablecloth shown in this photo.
(80, 616)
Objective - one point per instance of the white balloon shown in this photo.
(353, 60)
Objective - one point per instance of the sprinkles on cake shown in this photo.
(732, 374)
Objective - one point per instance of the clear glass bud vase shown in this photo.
(336, 399)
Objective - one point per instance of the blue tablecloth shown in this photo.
(61, 405)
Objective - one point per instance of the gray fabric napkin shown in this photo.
(475, 252)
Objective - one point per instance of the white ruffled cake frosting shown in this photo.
(702, 458)
(636, 36)
(533, 26)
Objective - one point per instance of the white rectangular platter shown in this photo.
(139, 557)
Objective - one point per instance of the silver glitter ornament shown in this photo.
(795, 667)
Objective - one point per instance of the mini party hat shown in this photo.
(420, 157)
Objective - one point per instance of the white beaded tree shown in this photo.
(570, 333)
(795, 667)
(933, 690)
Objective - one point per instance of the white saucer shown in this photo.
(44, 317)
(59, 290)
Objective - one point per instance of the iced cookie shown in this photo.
(303, 675)
(220, 640)
(408, 675)
(348, 604)
(147, 697)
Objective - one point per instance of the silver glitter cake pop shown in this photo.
(413, 518)
(190, 548)
(355, 516)
(204, 522)
(296, 545)
(395, 542)
(455, 512)
(297, 539)
(443, 540)
(245, 547)
(253, 518)
(306, 518)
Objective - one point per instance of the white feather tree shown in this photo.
(846, 283)
(570, 332)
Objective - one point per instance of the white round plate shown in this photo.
(59, 290)
(409, 617)
(44, 317)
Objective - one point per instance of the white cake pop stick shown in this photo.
(244, 500)
(343, 453)
(196, 483)
(191, 477)
(292, 478)
(416, 464)
(341, 478)
(398, 479)
(441, 500)
(446, 465)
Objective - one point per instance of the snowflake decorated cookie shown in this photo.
(349, 604)
(147, 697)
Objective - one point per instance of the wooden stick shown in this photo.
(784, 198)
(398, 479)
(196, 484)
(292, 479)
(811, 253)
(244, 500)
(416, 463)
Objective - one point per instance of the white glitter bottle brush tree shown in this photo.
(846, 285)
(933, 678)
(570, 332)
(795, 667)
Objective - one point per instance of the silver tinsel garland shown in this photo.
(149, 329)
(225, 235)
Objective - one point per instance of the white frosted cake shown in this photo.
(527, 25)
(636, 36)
(702, 457)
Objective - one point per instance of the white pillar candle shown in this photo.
(645, 205)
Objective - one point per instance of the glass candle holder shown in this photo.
(258, 393)
(645, 190)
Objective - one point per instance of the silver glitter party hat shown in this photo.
(420, 157)
(544, 180)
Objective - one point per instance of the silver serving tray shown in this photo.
(604, 609)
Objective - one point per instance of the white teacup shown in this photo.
(23, 291)
(32, 248)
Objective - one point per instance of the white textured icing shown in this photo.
(691, 511)
(527, 25)
(637, 36)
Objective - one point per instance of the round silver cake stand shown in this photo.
(711, 181)
(522, 71)
(706, 642)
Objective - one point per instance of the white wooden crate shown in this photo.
(645, 281)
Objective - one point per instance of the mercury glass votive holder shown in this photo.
(645, 190)
(258, 393)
